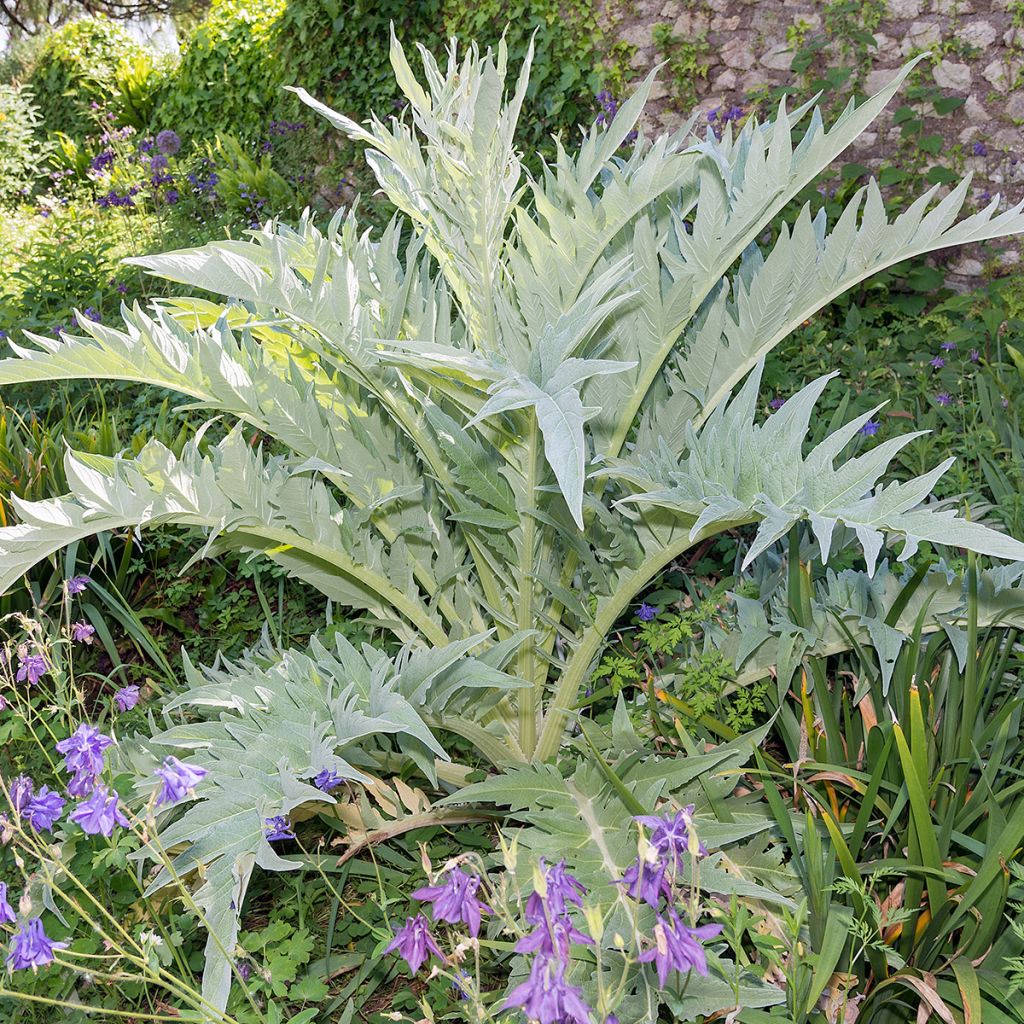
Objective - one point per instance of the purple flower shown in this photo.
(553, 938)
(678, 948)
(126, 698)
(776, 404)
(975, 355)
(82, 632)
(168, 142)
(943, 398)
(734, 113)
(158, 162)
(938, 362)
(413, 941)
(20, 790)
(670, 835)
(76, 585)
(327, 779)
(560, 889)
(870, 428)
(7, 915)
(646, 612)
(646, 882)
(99, 814)
(122, 288)
(546, 997)
(455, 900)
(979, 149)
(948, 346)
(245, 970)
(102, 160)
(43, 809)
(171, 196)
(32, 667)
(179, 780)
(277, 827)
(713, 115)
(31, 948)
(83, 756)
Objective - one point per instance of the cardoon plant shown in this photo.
(489, 428)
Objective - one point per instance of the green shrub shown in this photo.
(20, 150)
(77, 66)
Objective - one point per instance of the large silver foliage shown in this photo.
(489, 432)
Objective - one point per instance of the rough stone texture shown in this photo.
(978, 55)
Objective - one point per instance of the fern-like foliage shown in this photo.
(511, 422)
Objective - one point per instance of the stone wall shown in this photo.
(749, 45)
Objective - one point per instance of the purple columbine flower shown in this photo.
(948, 346)
(678, 948)
(546, 997)
(168, 142)
(414, 943)
(670, 834)
(32, 667)
(646, 612)
(327, 779)
(7, 915)
(277, 827)
(938, 362)
(20, 790)
(646, 882)
(126, 698)
(179, 780)
(979, 149)
(99, 814)
(30, 947)
(776, 404)
(82, 632)
(943, 398)
(560, 889)
(83, 754)
(43, 809)
(553, 938)
(455, 900)
(76, 585)
(870, 428)
(975, 355)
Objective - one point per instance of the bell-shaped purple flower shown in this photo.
(455, 900)
(546, 997)
(7, 915)
(646, 612)
(277, 827)
(414, 943)
(560, 889)
(670, 835)
(327, 779)
(30, 947)
(99, 814)
(20, 790)
(82, 632)
(77, 585)
(32, 667)
(179, 780)
(126, 698)
(83, 753)
(43, 809)
(678, 948)
(553, 938)
(647, 882)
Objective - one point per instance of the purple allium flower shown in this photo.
(646, 882)
(158, 162)
(678, 948)
(938, 362)
(82, 632)
(979, 149)
(168, 142)
(277, 827)
(646, 612)
(76, 585)
(99, 814)
(126, 698)
(776, 404)
(43, 809)
(20, 790)
(546, 997)
(327, 779)
(553, 938)
(943, 398)
(948, 346)
(560, 889)
(30, 947)
(455, 900)
(870, 428)
(7, 915)
(32, 667)
(975, 355)
(83, 754)
(178, 780)
(414, 942)
(670, 835)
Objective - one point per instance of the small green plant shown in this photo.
(687, 62)
(22, 154)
